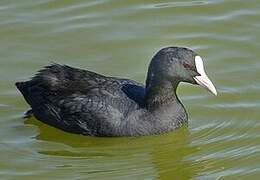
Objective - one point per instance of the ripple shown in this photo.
(3, 105)
(236, 105)
(222, 140)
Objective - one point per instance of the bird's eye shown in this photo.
(186, 66)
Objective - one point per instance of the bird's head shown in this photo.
(179, 64)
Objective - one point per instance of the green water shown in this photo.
(118, 38)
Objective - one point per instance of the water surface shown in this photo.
(118, 38)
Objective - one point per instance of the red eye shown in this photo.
(186, 66)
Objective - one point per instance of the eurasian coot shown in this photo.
(84, 102)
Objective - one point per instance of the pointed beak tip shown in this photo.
(212, 88)
(215, 92)
(205, 82)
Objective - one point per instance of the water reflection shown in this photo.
(163, 156)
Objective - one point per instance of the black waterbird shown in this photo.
(84, 102)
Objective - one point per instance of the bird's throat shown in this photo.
(160, 94)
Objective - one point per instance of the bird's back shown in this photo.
(81, 101)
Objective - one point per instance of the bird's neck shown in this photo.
(161, 100)
(160, 93)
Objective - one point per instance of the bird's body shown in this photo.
(84, 102)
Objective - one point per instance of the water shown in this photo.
(118, 38)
